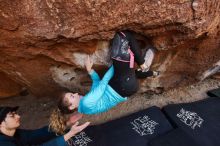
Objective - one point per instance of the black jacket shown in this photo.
(39, 137)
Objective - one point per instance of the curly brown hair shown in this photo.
(57, 122)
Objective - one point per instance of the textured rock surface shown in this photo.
(43, 42)
(8, 87)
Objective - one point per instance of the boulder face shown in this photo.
(43, 43)
(8, 87)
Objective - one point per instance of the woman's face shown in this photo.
(71, 100)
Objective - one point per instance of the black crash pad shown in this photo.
(176, 137)
(136, 129)
(89, 137)
(200, 120)
(214, 92)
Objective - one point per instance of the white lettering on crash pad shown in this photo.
(80, 139)
(144, 125)
(190, 118)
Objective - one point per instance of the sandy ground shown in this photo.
(35, 112)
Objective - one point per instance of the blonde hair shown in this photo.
(57, 122)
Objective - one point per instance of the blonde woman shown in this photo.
(117, 84)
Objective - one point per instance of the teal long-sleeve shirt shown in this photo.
(101, 96)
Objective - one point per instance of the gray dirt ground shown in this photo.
(35, 111)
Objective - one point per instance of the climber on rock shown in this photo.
(117, 84)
